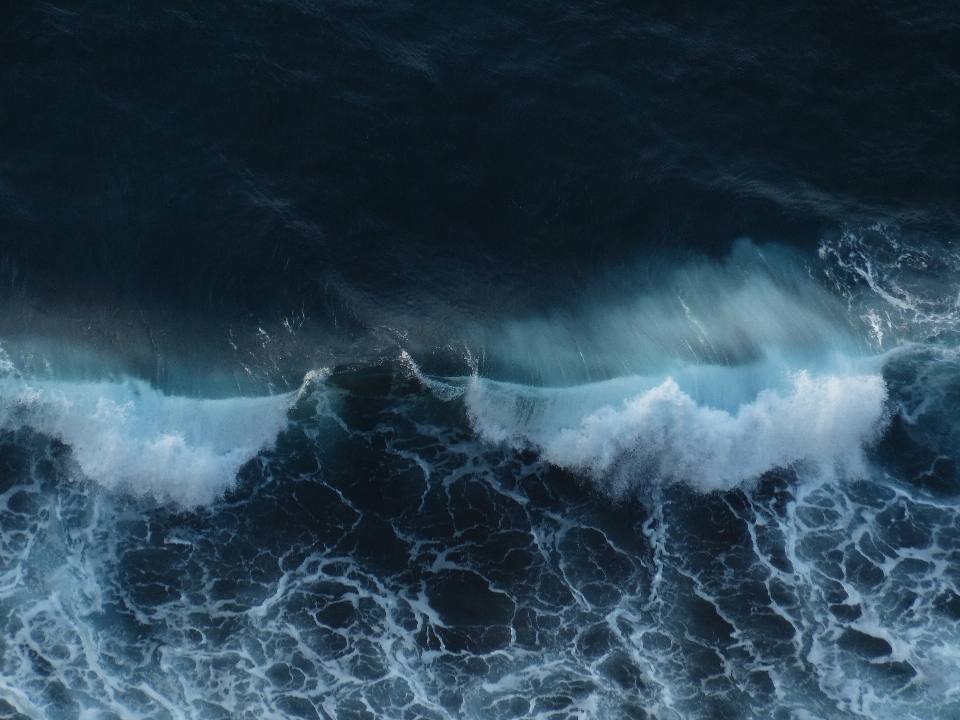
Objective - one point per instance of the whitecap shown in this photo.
(631, 430)
(129, 436)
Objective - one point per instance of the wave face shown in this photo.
(467, 361)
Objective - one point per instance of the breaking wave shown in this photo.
(130, 436)
(663, 433)
(721, 372)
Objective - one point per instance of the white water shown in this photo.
(129, 436)
(706, 424)
(658, 431)
(718, 373)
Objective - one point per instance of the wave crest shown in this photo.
(662, 433)
(127, 435)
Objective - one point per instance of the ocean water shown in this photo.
(551, 360)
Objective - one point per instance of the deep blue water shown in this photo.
(479, 360)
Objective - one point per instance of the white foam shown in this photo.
(626, 431)
(903, 288)
(130, 436)
(712, 375)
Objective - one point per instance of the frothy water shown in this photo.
(461, 578)
(762, 524)
(662, 434)
(751, 367)
(128, 436)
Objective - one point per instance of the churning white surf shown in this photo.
(713, 374)
(130, 436)
(662, 433)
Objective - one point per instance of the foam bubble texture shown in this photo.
(130, 436)
(661, 432)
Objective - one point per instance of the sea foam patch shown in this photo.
(130, 436)
(625, 432)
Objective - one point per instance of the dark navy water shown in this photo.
(480, 360)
